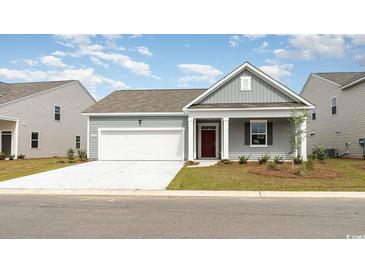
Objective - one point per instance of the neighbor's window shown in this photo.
(334, 105)
(57, 113)
(245, 83)
(259, 133)
(78, 142)
(35, 139)
(314, 116)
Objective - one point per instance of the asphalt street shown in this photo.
(52, 216)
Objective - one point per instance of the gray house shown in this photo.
(245, 113)
(43, 119)
(338, 121)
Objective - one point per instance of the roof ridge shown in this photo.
(332, 72)
(161, 89)
(36, 82)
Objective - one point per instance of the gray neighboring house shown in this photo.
(245, 113)
(338, 121)
(43, 119)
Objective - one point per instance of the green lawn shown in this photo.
(349, 176)
(18, 168)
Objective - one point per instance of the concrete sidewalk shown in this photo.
(186, 193)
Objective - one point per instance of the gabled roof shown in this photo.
(279, 86)
(12, 92)
(145, 101)
(357, 79)
(340, 78)
(248, 105)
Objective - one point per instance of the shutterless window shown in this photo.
(57, 113)
(78, 142)
(35, 139)
(334, 105)
(245, 83)
(258, 133)
(314, 116)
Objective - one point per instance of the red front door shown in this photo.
(208, 143)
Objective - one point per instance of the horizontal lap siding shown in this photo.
(261, 92)
(131, 122)
(237, 145)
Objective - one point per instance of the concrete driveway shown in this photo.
(102, 175)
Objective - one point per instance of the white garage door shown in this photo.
(141, 144)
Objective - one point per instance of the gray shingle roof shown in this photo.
(11, 92)
(340, 78)
(247, 105)
(157, 100)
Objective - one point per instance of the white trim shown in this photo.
(7, 118)
(54, 113)
(191, 139)
(136, 114)
(248, 109)
(143, 129)
(88, 137)
(225, 138)
(16, 139)
(352, 83)
(216, 125)
(258, 122)
(255, 70)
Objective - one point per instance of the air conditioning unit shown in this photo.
(333, 153)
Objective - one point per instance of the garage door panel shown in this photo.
(141, 145)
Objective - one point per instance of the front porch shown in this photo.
(252, 134)
(9, 136)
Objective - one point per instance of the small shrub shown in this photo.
(70, 154)
(81, 153)
(279, 159)
(319, 152)
(227, 162)
(11, 157)
(21, 156)
(264, 158)
(272, 165)
(2, 156)
(298, 160)
(311, 157)
(243, 159)
(309, 164)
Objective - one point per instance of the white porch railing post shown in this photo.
(191, 139)
(303, 145)
(226, 138)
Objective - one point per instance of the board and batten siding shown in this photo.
(96, 122)
(261, 92)
(348, 125)
(237, 145)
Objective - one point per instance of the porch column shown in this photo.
(194, 138)
(191, 139)
(303, 145)
(16, 133)
(225, 138)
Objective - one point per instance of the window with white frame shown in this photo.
(258, 132)
(78, 142)
(57, 113)
(314, 115)
(245, 83)
(35, 140)
(334, 105)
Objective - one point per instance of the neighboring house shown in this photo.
(43, 119)
(245, 113)
(338, 121)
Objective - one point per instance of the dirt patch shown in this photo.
(321, 170)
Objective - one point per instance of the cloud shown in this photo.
(278, 71)
(235, 40)
(262, 48)
(52, 61)
(59, 53)
(84, 47)
(111, 40)
(30, 62)
(254, 36)
(97, 61)
(144, 51)
(360, 59)
(134, 36)
(86, 76)
(198, 73)
(357, 39)
(308, 47)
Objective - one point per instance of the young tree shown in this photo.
(296, 132)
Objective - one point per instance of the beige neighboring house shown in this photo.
(338, 121)
(43, 119)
